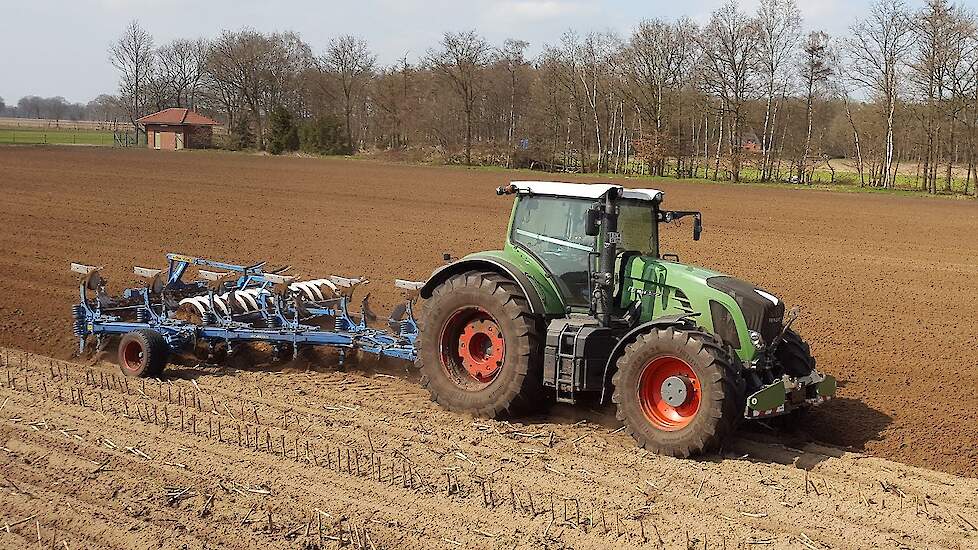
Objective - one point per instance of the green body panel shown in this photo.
(827, 387)
(669, 288)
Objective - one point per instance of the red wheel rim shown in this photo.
(659, 384)
(132, 356)
(472, 348)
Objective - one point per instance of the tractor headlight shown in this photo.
(755, 338)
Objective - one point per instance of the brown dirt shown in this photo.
(887, 283)
(214, 457)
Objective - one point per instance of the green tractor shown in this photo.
(582, 301)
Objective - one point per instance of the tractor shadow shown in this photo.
(828, 431)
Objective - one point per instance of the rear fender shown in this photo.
(493, 265)
(683, 320)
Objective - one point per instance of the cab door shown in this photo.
(551, 229)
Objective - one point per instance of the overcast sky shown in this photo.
(58, 47)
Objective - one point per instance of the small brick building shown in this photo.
(177, 128)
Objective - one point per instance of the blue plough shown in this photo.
(230, 305)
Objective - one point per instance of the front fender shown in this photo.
(679, 320)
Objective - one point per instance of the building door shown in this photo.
(179, 137)
(156, 140)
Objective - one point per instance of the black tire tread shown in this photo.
(155, 351)
(723, 409)
(523, 394)
(795, 355)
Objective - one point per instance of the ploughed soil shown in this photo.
(289, 457)
(887, 287)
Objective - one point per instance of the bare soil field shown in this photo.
(887, 284)
(287, 458)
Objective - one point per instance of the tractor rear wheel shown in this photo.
(143, 353)
(479, 349)
(675, 392)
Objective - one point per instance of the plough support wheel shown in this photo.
(143, 353)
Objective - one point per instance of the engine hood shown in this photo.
(763, 312)
(670, 288)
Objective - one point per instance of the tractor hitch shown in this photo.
(787, 394)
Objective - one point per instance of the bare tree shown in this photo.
(460, 60)
(778, 24)
(939, 72)
(392, 90)
(134, 57)
(965, 85)
(30, 106)
(658, 59)
(729, 45)
(815, 70)
(512, 59)
(106, 108)
(877, 47)
(180, 68)
(260, 71)
(350, 60)
(593, 60)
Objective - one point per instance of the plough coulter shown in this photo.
(231, 304)
(580, 301)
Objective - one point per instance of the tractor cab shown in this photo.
(559, 226)
(556, 224)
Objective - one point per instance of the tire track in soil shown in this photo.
(410, 474)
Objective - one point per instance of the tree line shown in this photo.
(744, 96)
(104, 108)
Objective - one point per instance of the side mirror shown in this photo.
(591, 223)
(697, 227)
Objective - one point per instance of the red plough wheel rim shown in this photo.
(472, 347)
(669, 393)
(132, 356)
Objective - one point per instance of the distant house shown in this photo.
(176, 128)
(750, 143)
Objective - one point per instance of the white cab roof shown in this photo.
(583, 190)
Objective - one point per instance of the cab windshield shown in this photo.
(553, 230)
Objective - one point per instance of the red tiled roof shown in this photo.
(177, 116)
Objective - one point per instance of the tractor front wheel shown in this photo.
(143, 353)
(675, 392)
(479, 349)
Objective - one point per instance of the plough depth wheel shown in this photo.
(143, 353)
(480, 347)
